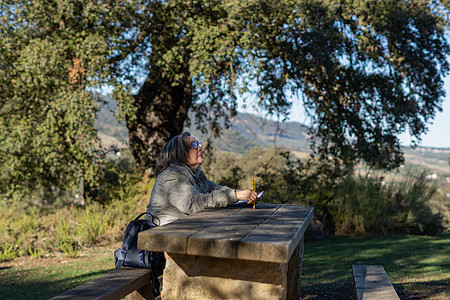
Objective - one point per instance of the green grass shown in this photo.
(43, 278)
(418, 267)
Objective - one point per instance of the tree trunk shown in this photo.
(162, 108)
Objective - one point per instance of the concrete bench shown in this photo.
(232, 253)
(372, 282)
(125, 283)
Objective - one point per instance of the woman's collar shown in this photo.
(186, 166)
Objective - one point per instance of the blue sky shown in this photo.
(439, 132)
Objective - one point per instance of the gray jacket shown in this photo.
(179, 192)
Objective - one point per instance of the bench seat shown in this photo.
(372, 282)
(126, 282)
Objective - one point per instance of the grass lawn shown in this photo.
(418, 267)
(43, 278)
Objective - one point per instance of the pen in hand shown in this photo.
(254, 189)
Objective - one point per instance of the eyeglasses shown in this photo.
(196, 144)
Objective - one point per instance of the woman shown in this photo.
(181, 188)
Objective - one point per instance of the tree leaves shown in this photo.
(366, 71)
(48, 139)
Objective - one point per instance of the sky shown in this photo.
(439, 131)
(438, 135)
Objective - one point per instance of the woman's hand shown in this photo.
(248, 195)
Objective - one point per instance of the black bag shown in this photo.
(129, 255)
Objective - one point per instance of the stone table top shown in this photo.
(270, 233)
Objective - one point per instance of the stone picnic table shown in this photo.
(232, 253)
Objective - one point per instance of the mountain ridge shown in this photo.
(248, 130)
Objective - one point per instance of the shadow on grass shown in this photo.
(344, 290)
(418, 266)
(329, 291)
(433, 289)
(41, 289)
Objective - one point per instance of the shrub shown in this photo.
(411, 205)
(8, 251)
(368, 205)
(35, 231)
(344, 203)
(64, 239)
(93, 222)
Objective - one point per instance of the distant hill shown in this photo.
(110, 130)
(248, 131)
(434, 159)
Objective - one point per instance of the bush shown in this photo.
(35, 231)
(344, 203)
(368, 205)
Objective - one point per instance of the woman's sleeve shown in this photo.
(182, 194)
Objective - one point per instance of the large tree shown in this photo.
(193, 52)
(366, 71)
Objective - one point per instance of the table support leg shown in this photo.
(294, 274)
(200, 277)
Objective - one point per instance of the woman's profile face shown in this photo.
(195, 157)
